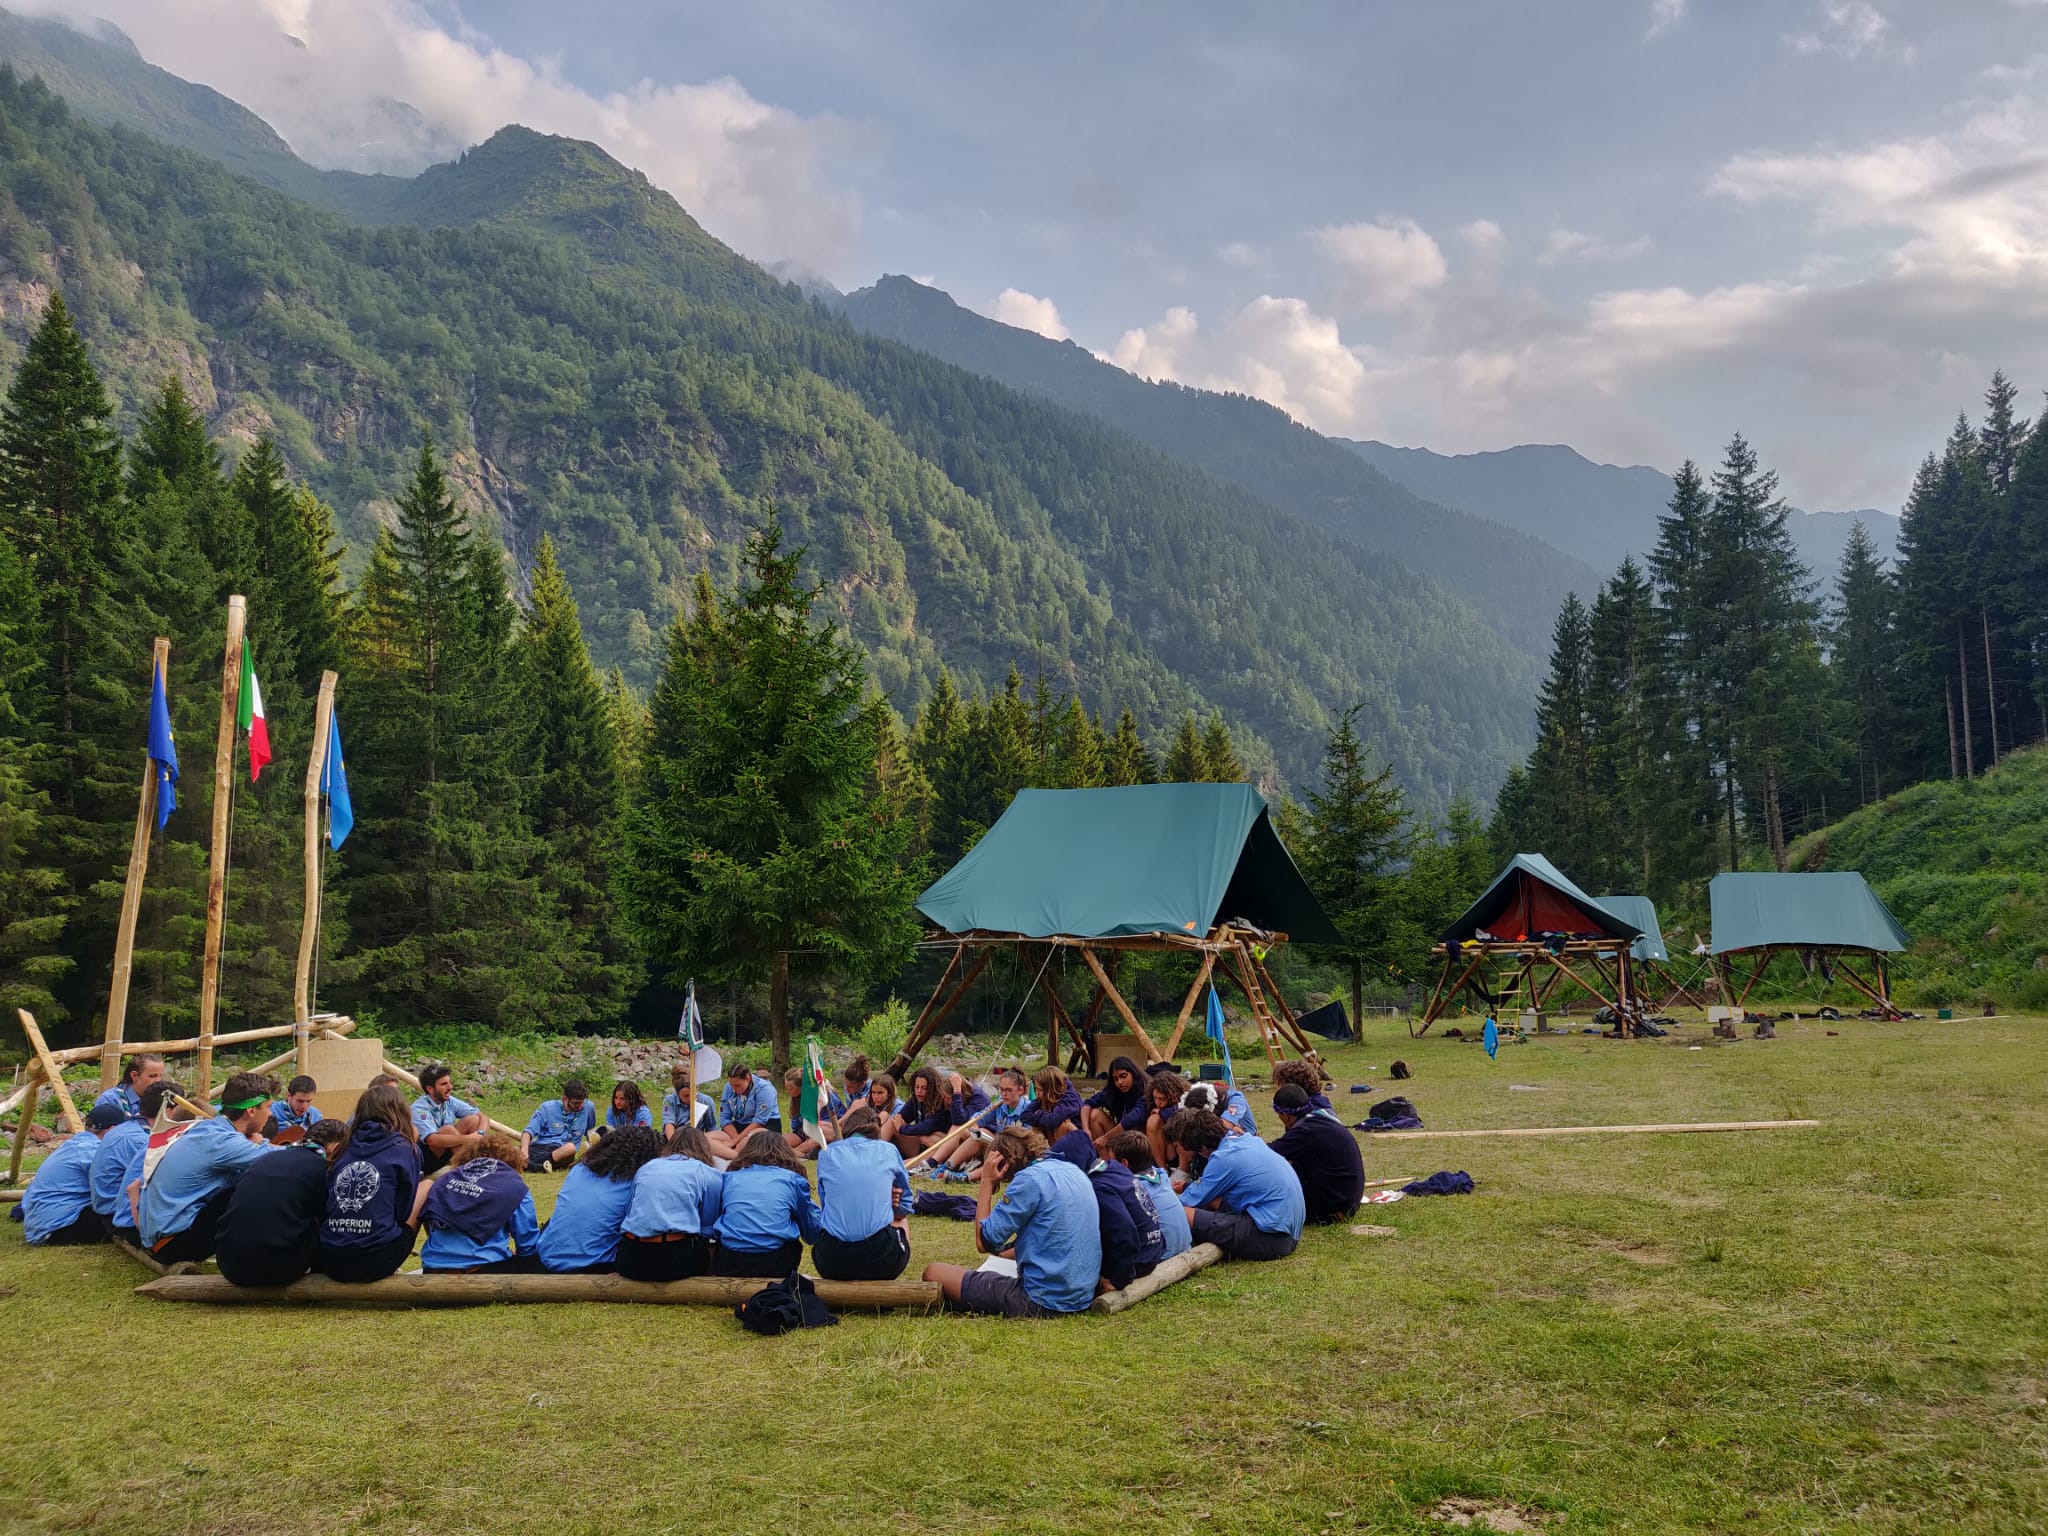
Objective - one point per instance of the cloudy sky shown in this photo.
(1635, 226)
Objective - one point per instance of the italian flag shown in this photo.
(252, 715)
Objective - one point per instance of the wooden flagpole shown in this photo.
(309, 927)
(131, 895)
(217, 863)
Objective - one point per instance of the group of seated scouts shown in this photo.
(1084, 1195)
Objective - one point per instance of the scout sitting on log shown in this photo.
(1048, 1215)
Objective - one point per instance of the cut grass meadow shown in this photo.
(1840, 1329)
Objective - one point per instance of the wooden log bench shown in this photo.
(1174, 1270)
(449, 1290)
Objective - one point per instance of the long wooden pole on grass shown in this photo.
(131, 893)
(309, 922)
(217, 863)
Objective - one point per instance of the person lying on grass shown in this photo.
(680, 1099)
(1006, 1111)
(1125, 1221)
(117, 1162)
(865, 1196)
(269, 1234)
(479, 1215)
(1163, 1093)
(1248, 1201)
(1122, 1094)
(552, 1137)
(1323, 1154)
(56, 1208)
(767, 1213)
(1046, 1219)
(629, 1107)
(746, 1109)
(441, 1122)
(1306, 1076)
(373, 1190)
(1057, 1108)
(182, 1197)
(582, 1236)
(676, 1203)
(1132, 1150)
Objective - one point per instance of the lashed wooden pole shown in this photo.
(131, 894)
(217, 863)
(53, 1075)
(309, 922)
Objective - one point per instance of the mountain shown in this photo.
(598, 368)
(1598, 512)
(1963, 866)
(1512, 581)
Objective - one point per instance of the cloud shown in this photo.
(380, 85)
(1849, 28)
(1664, 15)
(1240, 254)
(1028, 312)
(1278, 349)
(1570, 245)
(1382, 265)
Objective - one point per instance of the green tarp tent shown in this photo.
(1641, 911)
(1823, 911)
(1532, 896)
(1110, 863)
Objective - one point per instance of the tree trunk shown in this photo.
(1963, 700)
(778, 1017)
(1774, 813)
(1357, 998)
(1728, 778)
(1990, 687)
(1948, 702)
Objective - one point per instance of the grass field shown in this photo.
(1841, 1329)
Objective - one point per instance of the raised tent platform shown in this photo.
(1823, 918)
(1651, 961)
(1531, 932)
(1098, 873)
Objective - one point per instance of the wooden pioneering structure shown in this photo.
(1530, 933)
(1656, 986)
(1097, 874)
(1826, 919)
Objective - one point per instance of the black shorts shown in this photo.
(1239, 1236)
(1000, 1295)
(676, 1256)
(359, 1266)
(880, 1256)
(89, 1227)
(196, 1241)
(537, 1156)
(518, 1264)
(771, 1264)
(272, 1267)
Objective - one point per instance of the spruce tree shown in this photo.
(1355, 838)
(1623, 720)
(1865, 646)
(1127, 760)
(1682, 823)
(32, 915)
(1220, 762)
(1186, 762)
(756, 848)
(1560, 767)
(1077, 749)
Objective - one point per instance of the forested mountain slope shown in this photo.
(1963, 864)
(601, 370)
(1513, 582)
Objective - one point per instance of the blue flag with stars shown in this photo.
(163, 751)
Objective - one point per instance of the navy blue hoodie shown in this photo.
(1047, 1118)
(1132, 1244)
(370, 1188)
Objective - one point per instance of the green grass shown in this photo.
(1838, 1329)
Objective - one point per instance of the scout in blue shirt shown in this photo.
(136, 1077)
(1132, 1150)
(1248, 1200)
(683, 1092)
(866, 1195)
(677, 1200)
(1006, 1111)
(126, 1144)
(479, 1216)
(767, 1214)
(582, 1236)
(295, 1111)
(746, 1109)
(1049, 1214)
(557, 1129)
(443, 1121)
(629, 1107)
(189, 1187)
(56, 1208)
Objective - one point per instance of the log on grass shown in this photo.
(1175, 1269)
(1602, 1130)
(453, 1290)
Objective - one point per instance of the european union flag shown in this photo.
(341, 811)
(1215, 1032)
(163, 751)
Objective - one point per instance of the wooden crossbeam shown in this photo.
(1122, 1007)
(936, 1009)
(53, 1075)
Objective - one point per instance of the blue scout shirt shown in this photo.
(675, 1194)
(756, 1106)
(1254, 1180)
(446, 1248)
(110, 1173)
(281, 1112)
(641, 1116)
(124, 1214)
(1155, 1186)
(429, 1117)
(861, 1184)
(61, 1191)
(1049, 1213)
(1237, 1111)
(123, 1098)
(197, 1166)
(552, 1124)
(673, 1114)
(765, 1207)
(585, 1227)
(1001, 1117)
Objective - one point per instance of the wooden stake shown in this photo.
(1600, 1130)
(1174, 1270)
(451, 1290)
(217, 863)
(309, 923)
(131, 895)
(22, 1136)
(52, 1073)
(1116, 999)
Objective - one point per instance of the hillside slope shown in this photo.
(1964, 865)
(1515, 583)
(603, 371)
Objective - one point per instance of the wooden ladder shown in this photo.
(1269, 1031)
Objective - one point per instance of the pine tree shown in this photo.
(939, 724)
(1128, 760)
(172, 452)
(756, 848)
(1682, 824)
(32, 916)
(1355, 837)
(1220, 762)
(1077, 749)
(1623, 721)
(1186, 763)
(1865, 646)
(1560, 767)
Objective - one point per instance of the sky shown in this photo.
(1633, 226)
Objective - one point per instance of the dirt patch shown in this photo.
(1488, 1515)
(1628, 1248)
(1368, 1230)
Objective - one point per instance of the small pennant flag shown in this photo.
(816, 1100)
(1215, 1032)
(341, 811)
(163, 751)
(690, 1028)
(254, 726)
